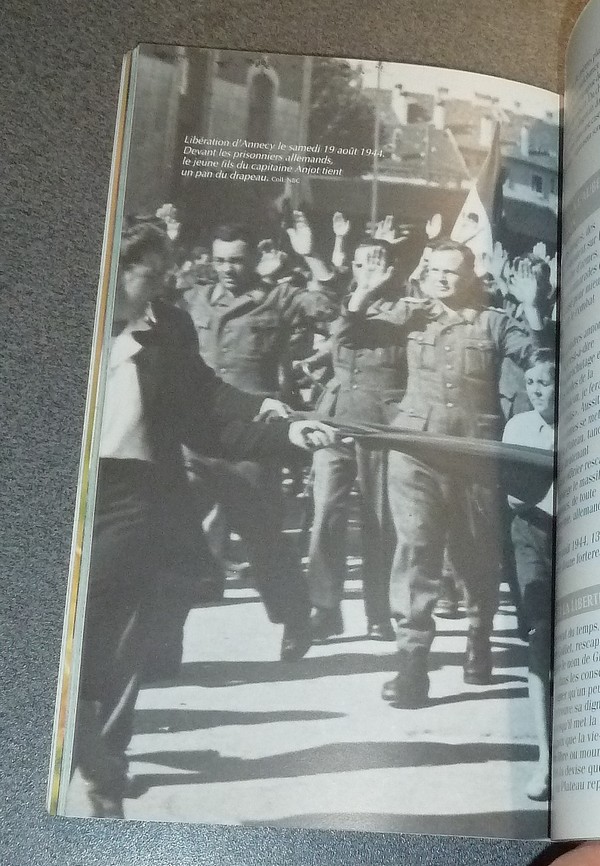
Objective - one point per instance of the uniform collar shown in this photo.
(219, 296)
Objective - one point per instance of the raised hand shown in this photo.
(553, 276)
(385, 231)
(270, 259)
(433, 226)
(371, 276)
(341, 226)
(498, 261)
(526, 285)
(300, 234)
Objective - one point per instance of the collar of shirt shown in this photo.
(545, 430)
(448, 316)
(124, 346)
(221, 297)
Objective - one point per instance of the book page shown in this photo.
(576, 725)
(334, 637)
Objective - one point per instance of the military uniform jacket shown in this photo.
(368, 383)
(454, 360)
(245, 338)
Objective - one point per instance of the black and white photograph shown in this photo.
(314, 586)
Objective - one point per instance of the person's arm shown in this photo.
(341, 227)
(532, 291)
(515, 340)
(218, 417)
(382, 325)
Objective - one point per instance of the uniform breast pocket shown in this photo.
(265, 335)
(421, 350)
(202, 325)
(479, 359)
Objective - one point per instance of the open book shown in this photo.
(316, 578)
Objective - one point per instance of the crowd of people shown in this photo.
(231, 360)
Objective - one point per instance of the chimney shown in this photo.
(486, 131)
(439, 116)
(524, 141)
(400, 104)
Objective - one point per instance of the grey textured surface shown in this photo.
(60, 65)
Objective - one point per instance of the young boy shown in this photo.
(532, 532)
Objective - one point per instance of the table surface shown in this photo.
(61, 65)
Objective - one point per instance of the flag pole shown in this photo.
(376, 142)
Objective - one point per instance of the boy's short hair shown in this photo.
(541, 356)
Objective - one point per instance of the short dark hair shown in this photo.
(142, 235)
(445, 244)
(233, 232)
(541, 356)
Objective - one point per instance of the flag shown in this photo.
(478, 219)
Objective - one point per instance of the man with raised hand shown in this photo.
(244, 321)
(366, 385)
(455, 346)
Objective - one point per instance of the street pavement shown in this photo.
(243, 738)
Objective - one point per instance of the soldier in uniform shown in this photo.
(367, 386)
(455, 347)
(244, 322)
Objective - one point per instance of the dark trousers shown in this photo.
(252, 497)
(532, 534)
(123, 575)
(430, 508)
(335, 471)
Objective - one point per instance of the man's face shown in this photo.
(232, 261)
(139, 283)
(368, 260)
(540, 385)
(447, 277)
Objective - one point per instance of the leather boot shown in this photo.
(409, 689)
(325, 623)
(477, 669)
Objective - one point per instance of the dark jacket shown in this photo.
(185, 403)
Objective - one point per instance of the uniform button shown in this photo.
(356, 371)
(354, 387)
(419, 339)
(449, 385)
(446, 348)
(450, 405)
(449, 367)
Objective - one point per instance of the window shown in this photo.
(537, 184)
(261, 94)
